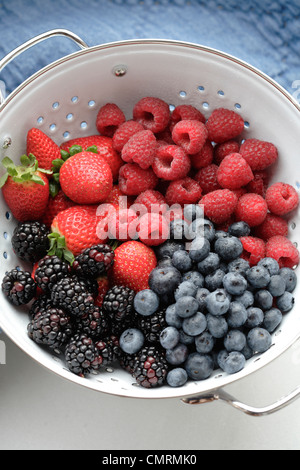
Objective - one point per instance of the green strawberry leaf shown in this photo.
(75, 149)
(3, 179)
(25, 161)
(93, 149)
(7, 162)
(53, 188)
(58, 247)
(64, 155)
(37, 179)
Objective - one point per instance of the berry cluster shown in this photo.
(158, 244)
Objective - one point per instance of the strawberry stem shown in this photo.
(27, 171)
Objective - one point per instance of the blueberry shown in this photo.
(199, 366)
(146, 302)
(237, 315)
(168, 248)
(201, 295)
(255, 317)
(239, 229)
(179, 229)
(234, 283)
(285, 302)
(185, 288)
(259, 340)
(247, 298)
(186, 306)
(277, 285)
(218, 302)
(263, 299)
(195, 277)
(272, 319)
(210, 264)
(177, 377)
(199, 249)
(192, 212)
(258, 276)
(164, 262)
(202, 228)
(214, 280)
(217, 325)
(182, 261)
(177, 355)
(131, 340)
(239, 265)
(235, 340)
(228, 248)
(270, 264)
(172, 319)
(194, 325)
(204, 343)
(221, 234)
(247, 351)
(169, 337)
(231, 362)
(185, 338)
(164, 280)
(290, 278)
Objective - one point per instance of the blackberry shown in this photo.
(71, 294)
(118, 303)
(127, 361)
(30, 241)
(90, 284)
(51, 327)
(19, 287)
(108, 349)
(81, 355)
(152, 325)
(49, 271)
(151, 368)
(94, 324)
(94, 261)
(41, 303)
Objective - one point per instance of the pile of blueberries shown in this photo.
(220, 311)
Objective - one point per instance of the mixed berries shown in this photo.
(158, 245)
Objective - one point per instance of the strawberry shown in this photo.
(25, 188)
(103, 286)
(86, 178)
(56, 204)
(74, 230)
(133, 264)
(42, 147)
(104, 146)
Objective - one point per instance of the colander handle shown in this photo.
(247, 409)
(35, 40)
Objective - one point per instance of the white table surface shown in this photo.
(41, 411)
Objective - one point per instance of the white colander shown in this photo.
(63, 99)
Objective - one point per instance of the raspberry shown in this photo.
(224, 149)
(124, 132)
(281, 198)
(271, 226)
(224, 124)
(183, 191)
(254, 249)
(122, 224)
(140, 149)
(133, 180)
(152, 113)
(239, 192)
(259, 183)
(117, 198)
(207, 178)
(109, 118)
(153, 229)
(204, 157)
(283, 251)
(252, 209)
(184, 112)
(258, 153)
(191, 135)
(219, 205)
(153, 201)
(171, 163)
(234, 172)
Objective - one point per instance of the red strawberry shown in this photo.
(25, 188)
(133, 264)
(103, 286)
(42, 147)
(86, 178)
(104, 147)
(78, 225)
(56, 204)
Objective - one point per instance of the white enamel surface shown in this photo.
(154, 68)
